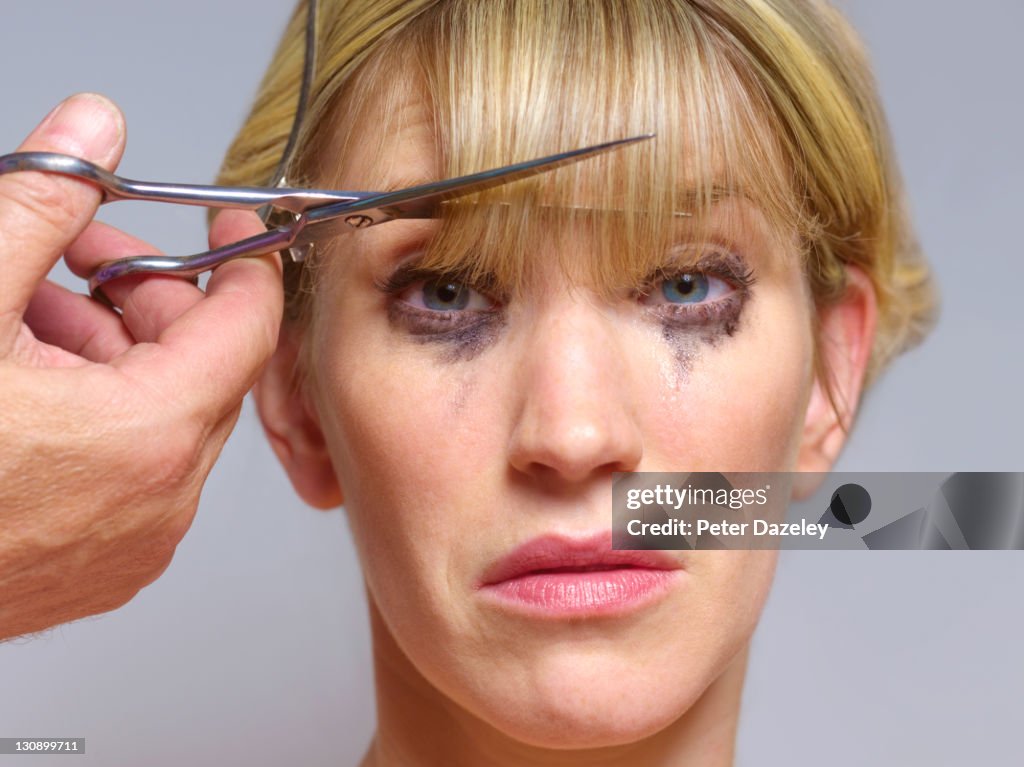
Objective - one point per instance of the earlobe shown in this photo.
(293, 428)
(846, 336)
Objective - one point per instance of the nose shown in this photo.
(576, 415)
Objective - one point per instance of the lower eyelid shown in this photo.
(457, 335)
(435, 322)
(697, 314)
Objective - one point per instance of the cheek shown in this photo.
(411, 441)
(740, 404)
(392, 413)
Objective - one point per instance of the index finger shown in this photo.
(41, 213)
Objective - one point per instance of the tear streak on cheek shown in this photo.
(690, 335)
(460, 395)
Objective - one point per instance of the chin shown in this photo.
(582, 700)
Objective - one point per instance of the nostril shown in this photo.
(550, 456)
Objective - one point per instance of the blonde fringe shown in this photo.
(776, 99)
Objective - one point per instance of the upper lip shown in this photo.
(556, 552)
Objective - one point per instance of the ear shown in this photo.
(293, 428)
(846, 331)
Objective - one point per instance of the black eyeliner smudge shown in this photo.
(688, 330)
(458, 342)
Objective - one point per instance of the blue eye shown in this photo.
(445, 295)
(687, 289)
(690, 288)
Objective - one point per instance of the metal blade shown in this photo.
(422, 201)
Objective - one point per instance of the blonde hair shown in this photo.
(772, 100)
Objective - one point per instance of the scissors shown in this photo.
(316, 214)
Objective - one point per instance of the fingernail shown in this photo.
(86, 125)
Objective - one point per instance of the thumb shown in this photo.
(41, 213)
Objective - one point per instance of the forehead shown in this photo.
(395, 146)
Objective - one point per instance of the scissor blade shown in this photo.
(422, 201)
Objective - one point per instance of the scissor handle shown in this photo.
(270, 241)
(116, 187)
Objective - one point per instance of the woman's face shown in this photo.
(461, 429)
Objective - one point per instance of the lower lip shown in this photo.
(583, 593)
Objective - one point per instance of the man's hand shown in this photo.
(109, 424)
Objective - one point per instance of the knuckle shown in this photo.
(162, 456)
(150, 563)
(117, 597)
(158, 448)
(110, 601)
(144, 565)
(175, 529)
(175, 459)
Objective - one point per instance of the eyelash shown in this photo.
(726, 266)
(405, 277)
(433, 322)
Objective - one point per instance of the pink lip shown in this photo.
(554, 576)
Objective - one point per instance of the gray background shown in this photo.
(253, 647)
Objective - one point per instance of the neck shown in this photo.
(418, 725)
